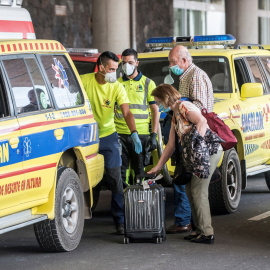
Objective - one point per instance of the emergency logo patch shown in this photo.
(60, 74)
(139, 88)
(107, 103)
(27, 146)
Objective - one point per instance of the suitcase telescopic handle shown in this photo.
(141, 176)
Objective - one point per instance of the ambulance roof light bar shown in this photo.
(81, 51)
(157, 42)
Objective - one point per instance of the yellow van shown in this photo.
(48, 144)
(240, 76)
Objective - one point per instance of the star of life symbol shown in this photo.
(60, 74)
(27, 146)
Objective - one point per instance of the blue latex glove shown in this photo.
(137, 142)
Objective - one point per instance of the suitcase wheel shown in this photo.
(158, 240)
(126, 240)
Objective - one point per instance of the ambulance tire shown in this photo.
(225, 193)
(267, 179)
(64, 232)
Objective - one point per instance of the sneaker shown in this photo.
(120, 229)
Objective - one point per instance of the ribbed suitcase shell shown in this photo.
(144, 212)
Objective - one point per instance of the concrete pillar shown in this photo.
(242, 20)
(111, 25)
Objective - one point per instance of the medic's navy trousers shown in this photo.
(109, 148)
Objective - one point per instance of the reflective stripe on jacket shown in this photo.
(139, 93)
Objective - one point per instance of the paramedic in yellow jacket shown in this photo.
(103, 91)
(138, 89)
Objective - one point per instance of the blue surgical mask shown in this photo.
(162, 109)
(177, 70)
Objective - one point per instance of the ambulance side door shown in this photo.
(11, 153)
(38, 122)
(251, 110)
(258, 122)
(264, 63)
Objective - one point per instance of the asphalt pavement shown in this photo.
(240, 243)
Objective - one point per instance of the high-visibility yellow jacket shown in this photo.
(139, 92)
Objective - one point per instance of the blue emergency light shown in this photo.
(190, 41)
(160, 40)
(214, 38)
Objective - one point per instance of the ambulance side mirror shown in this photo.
(251, 90)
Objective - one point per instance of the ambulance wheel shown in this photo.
(64, 232)
(126, 240)
(225, 193)
(267, 179)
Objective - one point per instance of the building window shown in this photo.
(263, 30)
(264, 21)
(220, 2)
(196, 17)
(196, 22)
(179, 22)
(263, 4)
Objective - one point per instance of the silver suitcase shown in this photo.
(144, 213)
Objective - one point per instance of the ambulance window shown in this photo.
(156, 69)
(217, 69)
(256, 73)
(22, 87)
(266, 64)
(241, 73)
(4, 110)
(65, 88)
(85, 67)
(41, 91)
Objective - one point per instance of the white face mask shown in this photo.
(128, 69)
(110, 77)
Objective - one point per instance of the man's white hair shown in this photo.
(185, 54)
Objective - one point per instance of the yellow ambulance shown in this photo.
(240, 76)
(49, 142)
